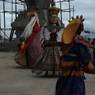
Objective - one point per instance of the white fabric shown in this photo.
(29, 27)
(59, 35)
(45, 34)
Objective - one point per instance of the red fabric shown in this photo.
(81, 40)
(36, 29)
(33, 43)
(34, 50)
(30, 39)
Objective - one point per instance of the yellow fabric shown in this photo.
(90, 68)
(70, 31)
(66, 69)
(73, 73)
(31, 13)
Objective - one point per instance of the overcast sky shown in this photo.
(87, 9)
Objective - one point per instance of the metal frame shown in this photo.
(13, 11)
(69, 9)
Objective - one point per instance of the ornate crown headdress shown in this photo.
(54, 10)
(71, 29)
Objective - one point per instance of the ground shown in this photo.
(20, 81)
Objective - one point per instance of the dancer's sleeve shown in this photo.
(86, 60)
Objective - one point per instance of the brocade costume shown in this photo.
(74, 62)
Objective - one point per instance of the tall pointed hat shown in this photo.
(71, 30)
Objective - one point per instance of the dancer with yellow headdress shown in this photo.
(75, 60)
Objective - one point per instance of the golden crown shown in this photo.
(78, 19)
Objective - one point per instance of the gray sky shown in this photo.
(87, 9)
